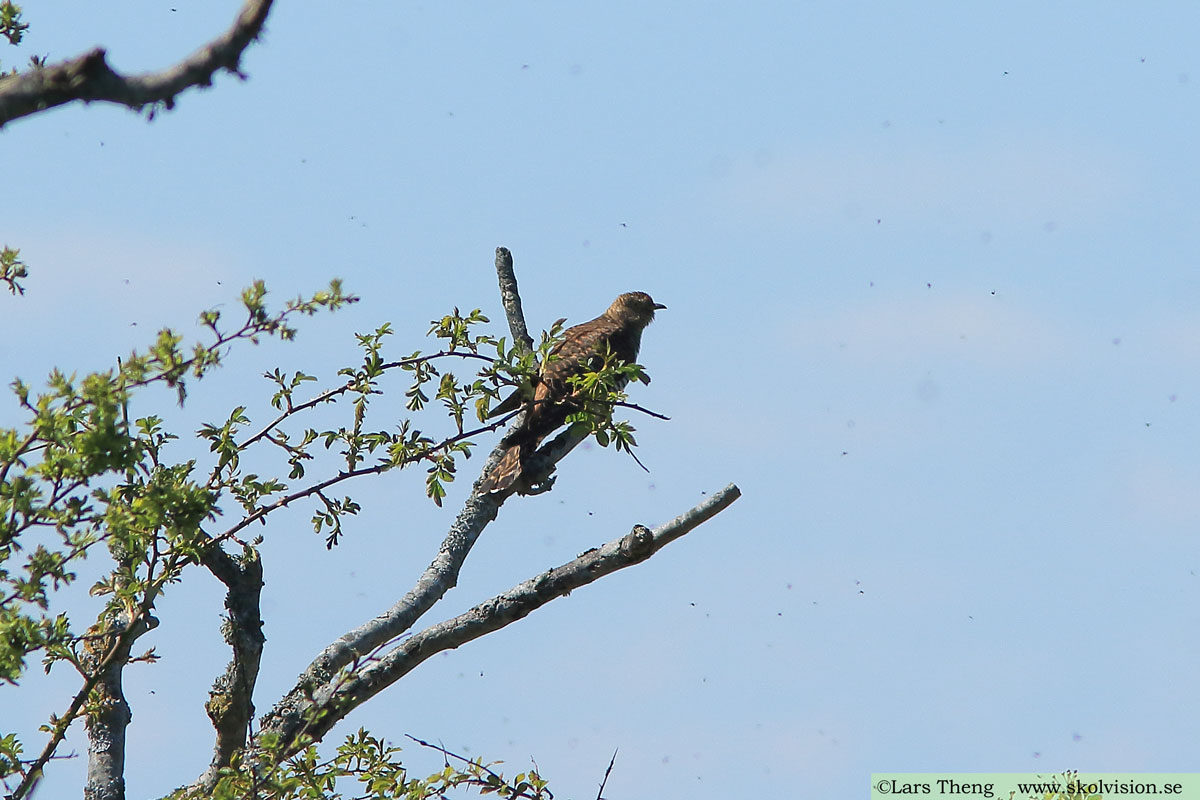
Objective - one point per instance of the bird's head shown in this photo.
(634, 307)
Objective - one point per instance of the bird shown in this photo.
(618, 330)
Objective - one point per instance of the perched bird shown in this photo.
(619, 330)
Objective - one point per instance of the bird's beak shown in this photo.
(657, 306)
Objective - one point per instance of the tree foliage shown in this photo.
(95, 471)
(81, 474)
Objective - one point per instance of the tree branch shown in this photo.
(511, 299)
(333, 702)
(287, 718)
(607, 772)
(537, 477)
(230, 703)
(646, 411)
(106, 727)
(89, 78)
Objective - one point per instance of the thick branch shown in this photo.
(287, 717)
(511, 299)
(107, 657)
(89, 78)
(439, 577)
(97, 669)
(230, 703)
(334, 702)
(537, 475)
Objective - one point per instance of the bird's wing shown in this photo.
(573, 353)
(521, 395)
(566, 358)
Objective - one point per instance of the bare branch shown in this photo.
(607, 772)
(339, 697)
(230, 703)
(287, 718)
(646, 411)
(536, 477)
(633, 455)
(511, 299)
(106, 727)
(89, 78)
(439, 354)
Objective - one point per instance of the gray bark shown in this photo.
(374, 672)
(89, 77)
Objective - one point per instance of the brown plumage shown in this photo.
(620, 329)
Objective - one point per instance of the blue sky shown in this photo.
(932, 288)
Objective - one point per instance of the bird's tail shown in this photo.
(507, 470)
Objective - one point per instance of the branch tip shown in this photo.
(89, 78)
(510, 297)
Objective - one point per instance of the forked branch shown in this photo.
(352, 688)
(89, 77)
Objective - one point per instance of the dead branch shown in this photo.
(89, 77)
(332, 702)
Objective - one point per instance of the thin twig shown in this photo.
(329, 394)
(633, 455)
(636, 407)
(439, 354)
(300, 494)
(600, 794)
(324, 397)
(447, 755)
